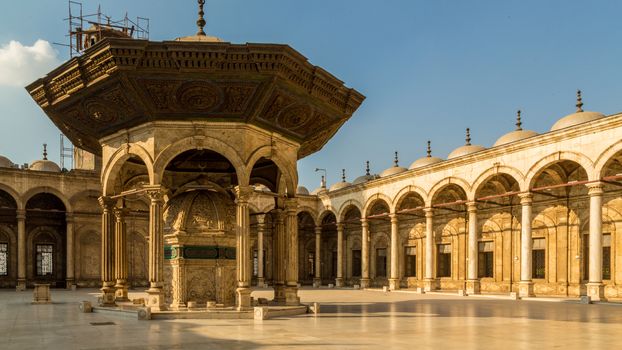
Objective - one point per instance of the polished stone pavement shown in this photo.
(349, 319)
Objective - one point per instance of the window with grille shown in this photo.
(356, 263)
(411, 261)
(255, 263)
(45, 259)
(4, 259)
(311, 264)
(443, 261)
(538, 258)
(606, 256)
(381, 262)
(485, 263)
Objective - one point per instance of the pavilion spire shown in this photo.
(201, 21)
(343, 175)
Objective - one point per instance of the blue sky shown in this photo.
(429, 69)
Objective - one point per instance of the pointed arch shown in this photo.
(118, 158)
(351, 203)
(439, 186)
(494, 171)
(373, 199)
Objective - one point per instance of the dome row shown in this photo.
(579, 117)
(38, 165)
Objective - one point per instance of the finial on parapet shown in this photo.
(367, 168)
(519, 123)
(201, 21)
(396, 161)
(343, 175)
(468, 137)
(45, 151)
(579, 102)
(429, 148)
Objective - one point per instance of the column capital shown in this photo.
(120, 213)
(393, 217)
(243, 193)
(106, 202)
(340, 226)
(261, 219)
(364, 222)
(69, 217)
(155, 193)
(595, 188)
(471, 206)
(526, 198)
(279, 217)
(318, 230)
(429, 212)
(21, 214)
(290, 205)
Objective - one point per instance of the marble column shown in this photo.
(70, 278)
(21, 249)
(156, 250)
(339, 279)
(107, 252)
(595, 287)
(291, 227)
(429, 282)
(261, 226)
(120, 257)
(472, 283)
(525, 286)
(279, 256)
(394, 280)
(243, 248)
(365, 282)
(317, 280)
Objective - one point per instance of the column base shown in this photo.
(121, 292)
(365, 283)
(107, 297)
(596, 291)
(291, 296)
(394, 283)
(261, 282)
(279, 294)
(243, 296)
(525, 289)
(473, 287)
(155, 299)
(430, 284)
(69, 283)
(21, 285)
(339, 282)
(317, 282)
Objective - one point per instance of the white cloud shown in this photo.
(21, 65)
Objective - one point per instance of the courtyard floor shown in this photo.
(349, 319)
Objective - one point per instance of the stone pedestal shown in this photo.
(430, 284)
(155, 299)
(596, 291)
(244, 298)
(525, 289)
(121, 291)
(317, 283)
(291, 296)
(261, 282)
(21, 285)
(338, 282)
(473, 287)
(365, 283)
(41, 294)
(107, 296)
(394, 284)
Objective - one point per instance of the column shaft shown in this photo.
(70, 250)
(394, 282)
(120, 255)
(364, 253)
(279, 257)
(156, 249)
(107, 252)
(317, 281)
(339, 279)
(595, 285)
(473, 286)
(243, 247)
(430, 281)
(526, 284)
(260, 257)
(291, 226)
(21, 249)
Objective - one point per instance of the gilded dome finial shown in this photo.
(367, 168)
(519, 123)
(396, 161)
(579, 102)
(45, 151)
(468, 137)
(429, 149)
(201, 21)
(343, 175)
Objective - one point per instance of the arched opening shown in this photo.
(611, 175)
(559, 198)
(498, 214)
(410, 214)
(306, 252)
(379, 233)
(267, 173)
(46, 236)
(329, 248)
(8, 241)
(353, 247)
(450, 236)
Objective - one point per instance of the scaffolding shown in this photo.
(100, 26)
(66, 153)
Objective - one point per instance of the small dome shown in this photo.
(579, 117)
(515, 135)
(5, 162)
(361, 179)
(339, 185)
(468, 148)
(318, 190)
(302, 190)
(421, 162)
(44, 165)
(392, 171)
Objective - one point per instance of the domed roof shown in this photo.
(515, 135)
(318, 191)
(468, 148)
(364, 178)
(45, 164)
(427, 160)
(342, 184)
(5, 162)
(395, 169)
(579, 117)
(302, 190)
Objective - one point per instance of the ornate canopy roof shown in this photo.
(120, 83)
